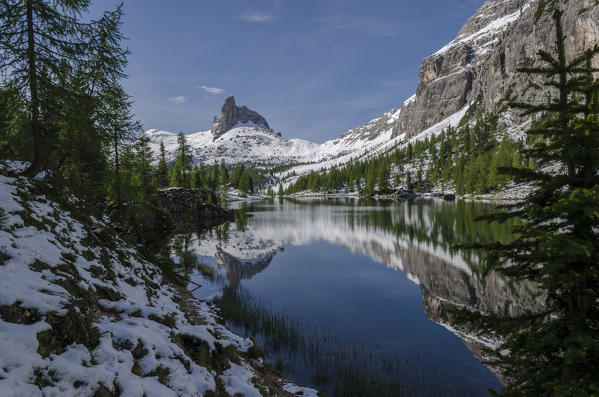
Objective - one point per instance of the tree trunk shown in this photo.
(117, 174)
(39, 154)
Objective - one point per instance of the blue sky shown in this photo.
(312, 68)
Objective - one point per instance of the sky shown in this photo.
(313, 68)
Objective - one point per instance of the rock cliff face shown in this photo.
(231, 115)
(481, 62)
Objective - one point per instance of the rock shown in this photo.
(480, 63)
(178, 200)
(197, 205)
(449, 197)
(402, 194)
(231, 115)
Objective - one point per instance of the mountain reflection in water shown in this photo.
(299, 253)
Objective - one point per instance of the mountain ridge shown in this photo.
(478, 65)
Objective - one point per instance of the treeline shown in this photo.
(214, 177)
(466, 159)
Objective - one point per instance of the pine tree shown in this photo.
(553, 350)
(280, 192)
(239, 170)
(15, 139)
(196, 178)
(370, 183)
(224, 174)
(409, 184)
(162, 169)
(46, 46)
(223, 196)
(181, 169)
(244, 183)
(117, 119)
(383, 178)
(250, 184)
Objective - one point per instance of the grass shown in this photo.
(338, 366)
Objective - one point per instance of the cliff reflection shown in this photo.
(418, 238)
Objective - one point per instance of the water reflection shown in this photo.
(417, 238)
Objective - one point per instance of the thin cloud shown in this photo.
(177, 100)
(255, 17)
(373, 26)
(211, 90)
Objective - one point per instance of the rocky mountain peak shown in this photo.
(231, 115)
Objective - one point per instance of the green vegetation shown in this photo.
(552, 351)
(466, 159)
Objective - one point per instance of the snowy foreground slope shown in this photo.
(83, 314)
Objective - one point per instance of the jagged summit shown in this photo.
(231, 115)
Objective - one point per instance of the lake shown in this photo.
(352, 297)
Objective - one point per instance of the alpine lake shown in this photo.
(354, 297)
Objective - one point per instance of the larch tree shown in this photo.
(552, 350)
(45, 46)
(162, 169)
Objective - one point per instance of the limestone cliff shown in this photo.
(231, 115)
(481, 62)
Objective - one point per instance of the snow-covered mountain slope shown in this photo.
(82, 313)
(251, 143)
(242, 144)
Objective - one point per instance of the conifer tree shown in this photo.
(181, 169)
(239, 170)
(44, 44)
(224, 173)
(244, 183)
(197, 181)
(250, 184)
(553, 350)
(383, 178)
(117, 119)
(162, 169)
(409, 180)
(280, 192)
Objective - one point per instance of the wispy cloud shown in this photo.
(211, 90)
(177, 100)
(256, 17)
(373, 26)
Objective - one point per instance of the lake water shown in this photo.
(366, 286)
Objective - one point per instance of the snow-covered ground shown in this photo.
(81, 312)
